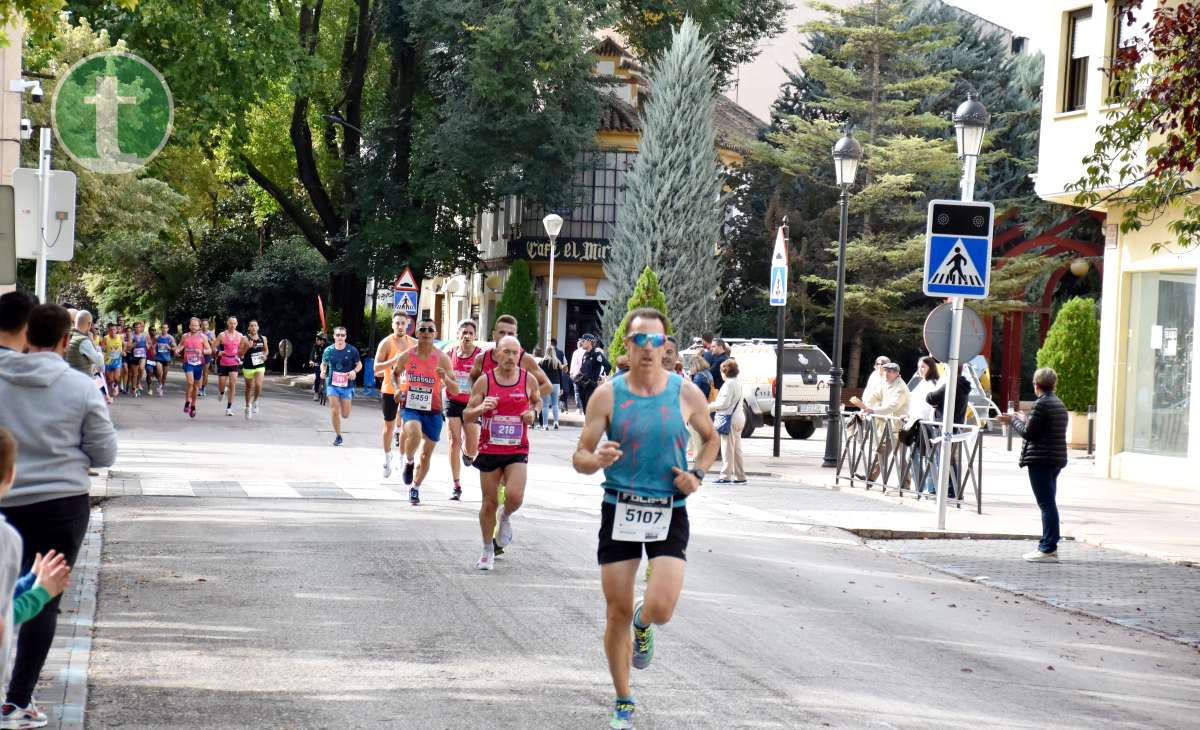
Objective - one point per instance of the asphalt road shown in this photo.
(315, 613)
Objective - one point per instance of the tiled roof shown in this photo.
(619, 116)
(609, 47)
(736, 127)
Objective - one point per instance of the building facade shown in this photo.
(512, 230)
(1146, 429)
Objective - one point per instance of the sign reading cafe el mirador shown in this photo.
(583, 250)
(112, 112)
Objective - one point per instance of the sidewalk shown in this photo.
(1158, 522)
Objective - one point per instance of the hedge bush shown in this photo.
(1072, 348)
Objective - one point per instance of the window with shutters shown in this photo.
(1079, 24)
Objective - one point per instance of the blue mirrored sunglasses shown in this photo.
(641, 339)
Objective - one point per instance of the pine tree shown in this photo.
(518, 301)
(673, 211)
(874, 73)
(647, 293)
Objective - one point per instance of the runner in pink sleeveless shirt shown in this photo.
(192, 348)
(229, 362)
(507, 400)
(464, 437)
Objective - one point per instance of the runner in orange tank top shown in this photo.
(427, 371)
(386, 356)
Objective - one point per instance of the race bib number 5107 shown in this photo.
(642, 519)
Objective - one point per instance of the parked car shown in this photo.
(806, 382)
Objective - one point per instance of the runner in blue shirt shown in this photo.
(339, 365)
(646, 485)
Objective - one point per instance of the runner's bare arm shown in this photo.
(400, 362)
(477, 367)
(243, 346)
(544, 385)
(477, 406)
(695, 410)
(448, 379)
(591, 455)
(266, 345)
(534, 396)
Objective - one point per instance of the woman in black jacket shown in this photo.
(1044, 453)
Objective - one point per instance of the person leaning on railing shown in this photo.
(890, 398)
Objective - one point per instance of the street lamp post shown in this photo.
(553, 224)
(970, 123)
(846, 154)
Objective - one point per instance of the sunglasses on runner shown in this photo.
(427, 329)
(641, 339)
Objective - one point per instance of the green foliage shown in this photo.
(647, 293)
(736, 26)
(517, 300)
(279, 290)
(1072, 348)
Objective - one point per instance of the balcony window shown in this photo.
(598, 189)
(1123, 36)
(1079, 24)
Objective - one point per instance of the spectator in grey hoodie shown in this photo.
(61, 423)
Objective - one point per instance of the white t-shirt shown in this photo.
(917, 407)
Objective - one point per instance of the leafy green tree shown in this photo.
(671, 220)
(735, 27)
(279, 290)
(1072, 348)
(647, 293)
(875, 74)
(517, 300)
(1146, 154)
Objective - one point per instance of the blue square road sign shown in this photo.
(958, 249)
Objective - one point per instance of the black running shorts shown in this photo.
(390, 406)
(233, 370)
(613, 551)
(454, 409)
(492, 462)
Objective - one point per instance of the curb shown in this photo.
(871, 533)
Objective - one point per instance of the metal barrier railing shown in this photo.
(878, 453)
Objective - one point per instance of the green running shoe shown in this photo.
(622, 717)
(643, 642)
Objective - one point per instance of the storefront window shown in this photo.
(1158, 380)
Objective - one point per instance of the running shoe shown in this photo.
(622, 717)
(397, 438)
(160, 393)
(409, 468)
(487, 561)
(187, 406)
(192, 410)
(387, 465)
(203, 394)
(556, 425)
(229, 410)
(247, 413)
(255, 408)
(18, 718)
(137, 393)
(496, 548)
(457, 495)
(504, 534)
(338, 440)
(414, 496)
(643, 642)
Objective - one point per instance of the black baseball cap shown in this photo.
(590, 338)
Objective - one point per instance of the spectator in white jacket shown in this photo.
(729, 401)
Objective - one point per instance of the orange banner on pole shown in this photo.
(321, 312)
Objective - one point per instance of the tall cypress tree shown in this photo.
(673, 211)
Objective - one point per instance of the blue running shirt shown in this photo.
(653, 438)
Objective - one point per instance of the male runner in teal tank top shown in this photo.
(647, 482)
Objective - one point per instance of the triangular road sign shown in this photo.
(406, 281)
(957, 268)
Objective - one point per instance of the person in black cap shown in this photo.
(594, 367)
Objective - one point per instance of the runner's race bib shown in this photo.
(139, 352)
(341, 380)
(257, 358)
(506, 431)
(114, 358)
(464, 382)
(194, 358)
(419, 399)
(642, 519)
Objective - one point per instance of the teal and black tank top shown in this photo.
(653, 438)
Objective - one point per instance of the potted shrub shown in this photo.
(1072, 348)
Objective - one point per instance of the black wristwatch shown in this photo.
(698, 473)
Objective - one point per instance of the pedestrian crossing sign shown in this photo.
(779, 268)
(406, 301)
(958, 249)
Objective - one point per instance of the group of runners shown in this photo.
(235, 354)
(635, 430)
